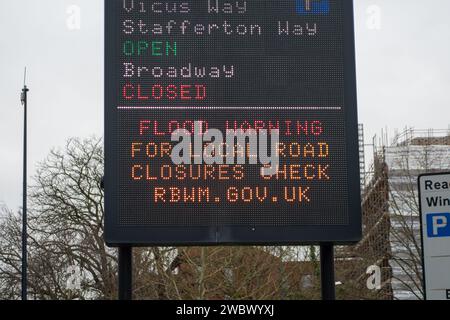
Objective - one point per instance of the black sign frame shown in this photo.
(116, 235)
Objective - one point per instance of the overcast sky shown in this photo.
(403, 74)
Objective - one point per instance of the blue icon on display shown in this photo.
(438, 225)
(309, 7)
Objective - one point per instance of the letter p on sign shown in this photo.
(438, 225)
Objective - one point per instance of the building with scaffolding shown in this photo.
(409, 154)
(374, 250)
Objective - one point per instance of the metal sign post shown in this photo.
(327, 272)
(125, 273)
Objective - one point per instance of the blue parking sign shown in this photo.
(307, 7)
(438, 225)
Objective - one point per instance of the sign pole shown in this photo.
(125, 273)
(327, 271)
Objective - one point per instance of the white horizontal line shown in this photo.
(228, 108)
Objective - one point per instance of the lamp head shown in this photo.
(23, 95)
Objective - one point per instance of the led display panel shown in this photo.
(261, 68)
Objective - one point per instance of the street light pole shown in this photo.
(24, 101)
